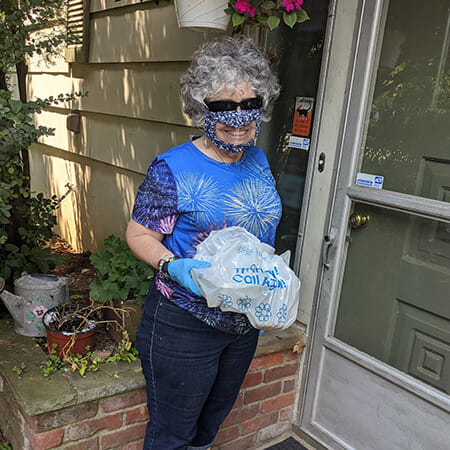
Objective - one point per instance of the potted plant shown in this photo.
(70, 329)
(266, 13)
(123, 282)
(71, 335)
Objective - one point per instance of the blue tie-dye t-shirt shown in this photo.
(186, 195)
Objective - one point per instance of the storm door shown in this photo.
(379, 373)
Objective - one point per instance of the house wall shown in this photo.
(131, 113)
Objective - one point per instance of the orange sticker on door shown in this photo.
(303, 116)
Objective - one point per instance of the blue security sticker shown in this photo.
(369, 180)
(299, 142)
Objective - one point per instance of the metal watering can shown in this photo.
(35, 295)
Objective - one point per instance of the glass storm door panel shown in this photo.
(395, 298)
(408, 139)
(296, 57)
(379, 364)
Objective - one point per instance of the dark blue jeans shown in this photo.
(193, 374)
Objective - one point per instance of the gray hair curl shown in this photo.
(222, 64)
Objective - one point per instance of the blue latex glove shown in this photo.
(180, 271)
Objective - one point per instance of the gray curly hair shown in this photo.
(223, 63)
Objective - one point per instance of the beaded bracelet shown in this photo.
(164, 262)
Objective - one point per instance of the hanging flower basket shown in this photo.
(266, 13)
(202, 14)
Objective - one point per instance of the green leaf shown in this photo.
(302, 16)
(273, 22)
(237, 19)
(268, 5)
(101, 261)
(262, 18)
(290, 19)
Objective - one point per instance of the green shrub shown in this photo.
(122, 275)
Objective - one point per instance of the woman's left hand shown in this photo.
(180, 271)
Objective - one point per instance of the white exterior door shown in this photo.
(378, 374)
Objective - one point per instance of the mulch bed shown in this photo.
(77, 268)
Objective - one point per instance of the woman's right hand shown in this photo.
(180, 271)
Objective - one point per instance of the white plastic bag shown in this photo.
(248, 278)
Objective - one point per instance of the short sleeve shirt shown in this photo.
(186, 195)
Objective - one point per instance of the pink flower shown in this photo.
(244, 6)
(290, 5)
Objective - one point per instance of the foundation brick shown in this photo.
(262, 362)
(121, 437)
(45, 422)
(292, 356)
(47, 440)
(289, 385)
(239, 401)
(262, 392)
(227, 434)
(260, 422)
(139, 414)
(286, 413)
(277, 403)
(252, 379)
(241, 444)
(91, 444)
(134, 446)
(89, 427)
(273, 430)
(280, 372)
(241, 415)
(111, 404)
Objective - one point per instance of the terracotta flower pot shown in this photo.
(68, 341)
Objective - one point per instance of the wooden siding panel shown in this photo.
(143, 91)
(120, 141)
(102, 203)
(149, 34)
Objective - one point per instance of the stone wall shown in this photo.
(113, 422)
(108, 410)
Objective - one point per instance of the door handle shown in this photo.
(328, 241)
(359, 219)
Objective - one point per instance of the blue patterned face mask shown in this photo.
(235, 119)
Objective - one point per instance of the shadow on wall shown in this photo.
(100, 206)
(131, 114)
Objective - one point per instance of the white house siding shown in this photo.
(132, 113)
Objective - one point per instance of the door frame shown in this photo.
(367, 38)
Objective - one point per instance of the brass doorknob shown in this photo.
(359, 220)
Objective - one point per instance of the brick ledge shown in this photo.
(37, 395)
(279, 341)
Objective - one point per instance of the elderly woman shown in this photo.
(195, 358)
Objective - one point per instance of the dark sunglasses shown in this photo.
(229, 105)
